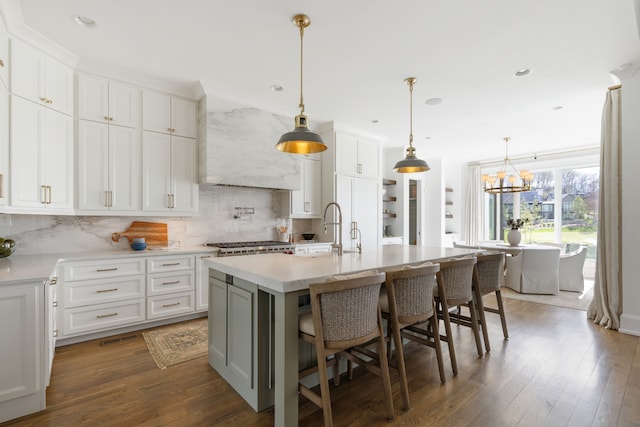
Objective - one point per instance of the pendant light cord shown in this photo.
(301, 105)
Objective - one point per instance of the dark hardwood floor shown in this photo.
(556, 369)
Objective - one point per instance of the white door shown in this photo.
(156, 171)
(184, 187)
(27, 124)
(346, 153)
(93, 165)
(313, 187)
(57, 156)
(156, 111)
(365, 211)
(27, 72)
(369, 158)
(124, 168)
(58, 86)
(183, 117)
(93, 99)
(124, 105)
(4, 143)
(344, 194)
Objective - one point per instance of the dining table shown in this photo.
(285, 277)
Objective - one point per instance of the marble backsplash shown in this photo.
(44, 234)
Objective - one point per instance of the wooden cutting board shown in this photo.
(154, 233)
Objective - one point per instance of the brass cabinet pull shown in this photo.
(171, 305)
(101, 316)
(171, 283)
(53, 281)
(205, 256)
(55, 333)
(43, 194)
(54, 304)
(171, 264)
(106, 198)
(48, 200)
(101, 270)
(106, 290)
(106, 118)
(110, 198)
(1, 63)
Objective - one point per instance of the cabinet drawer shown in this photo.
(165, 283)
(100, 291)
(102, 269)
(103, 316)
(173, 263)
(170, 305)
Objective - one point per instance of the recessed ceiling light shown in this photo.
(433, 101)
(558, 107)
(277, 88)
(83, 21)
(522, 72)
(427, 137)
(375, 121)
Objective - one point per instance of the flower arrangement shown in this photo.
(516, 224)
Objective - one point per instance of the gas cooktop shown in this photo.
(230, 245)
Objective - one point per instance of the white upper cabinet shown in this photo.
(4, 145)
(169, 181)
(39, 78)
(306, 202)
(4, 55)
(165, 113)
(108, 167)
(105, 101)
(357, 155)
(41, 157)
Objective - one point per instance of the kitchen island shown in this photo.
(253, 315)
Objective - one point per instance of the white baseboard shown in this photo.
(630, 324)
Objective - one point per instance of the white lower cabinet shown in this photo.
(23, 352)
(105, 294)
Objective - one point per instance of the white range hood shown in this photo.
(240, 151)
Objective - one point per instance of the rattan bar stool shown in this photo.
(408, 305)
(455, 288)
(487, 276)
(345, 314)
(486, 280)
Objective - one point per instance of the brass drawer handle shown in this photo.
(171, 283)
(1, 63)
(170, 264)
(106, 290)
(170, 305)
(205, 256)
(100, 316)
(102, 270)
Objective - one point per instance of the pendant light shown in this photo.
(301, 140)
(411, 163)
(516, 182)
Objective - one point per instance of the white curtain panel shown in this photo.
(472, 217)
(606, 307)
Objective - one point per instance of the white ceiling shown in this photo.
(357, 54)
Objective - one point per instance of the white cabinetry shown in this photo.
(356, 155)
(106, 101)
(4, 54)
(4, 144)
(312, 248)
(169, 178)
(23, 349)
(51, 321)
(170, 286)
(306, 202)
(102, 294)
(358, 198)
(39, 78)
(108, 167)
(41, 157)
(164, 113)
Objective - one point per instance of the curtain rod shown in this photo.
(531, 157)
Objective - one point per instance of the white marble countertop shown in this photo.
(289, 273)
(29, 268)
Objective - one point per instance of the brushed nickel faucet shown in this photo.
(339, 224)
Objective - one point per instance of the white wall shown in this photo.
(630, 319)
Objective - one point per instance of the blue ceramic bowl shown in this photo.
(138, 246)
